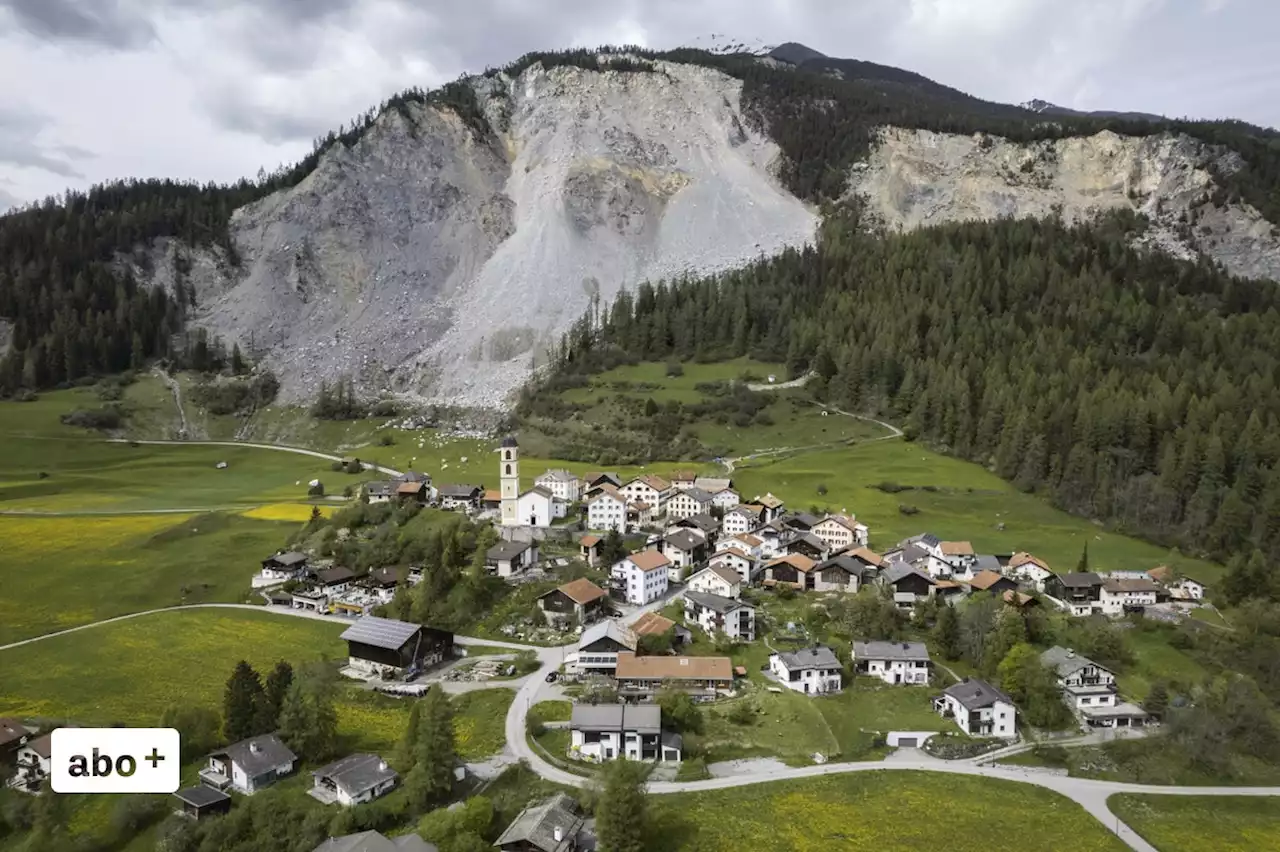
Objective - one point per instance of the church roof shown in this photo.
(510, 441)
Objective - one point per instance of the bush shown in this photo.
(892, 487)
(822, 489)
(25, 395)
(743, 713)
(107, 417)
(385, 408)
(674, 371)
(386, 439)
(316, 490)
(907, 509)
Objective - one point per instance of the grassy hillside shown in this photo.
(1202, 823)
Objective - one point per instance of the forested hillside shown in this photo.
(75, 314)
(1124, 386)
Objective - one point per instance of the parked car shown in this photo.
(552, 677)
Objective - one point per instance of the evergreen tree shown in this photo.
(622, 812)
(308, 720)
(946, 633)
(274, 691)
(1082, 567)
(436, 755)
(407, 750)
(1157, 701)
(240, 702)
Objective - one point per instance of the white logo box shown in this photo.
(115, 760)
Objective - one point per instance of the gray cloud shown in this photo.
(19, 130)
(109, 23)
(8, 200)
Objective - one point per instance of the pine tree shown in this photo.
(308, 718)
(274, 691)
(240, 702)
(1082, 567)
(1157, 700)
(436, 754)
(407, 749)
(946, 633)
(622, 812)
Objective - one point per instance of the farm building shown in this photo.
(382, 646)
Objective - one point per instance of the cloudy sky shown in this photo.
(214, 89)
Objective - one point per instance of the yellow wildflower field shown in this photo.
(299, 512)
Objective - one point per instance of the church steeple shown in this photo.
(509, 476)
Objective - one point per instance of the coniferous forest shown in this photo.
(1124, 386)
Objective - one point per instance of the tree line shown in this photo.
(1123, 386)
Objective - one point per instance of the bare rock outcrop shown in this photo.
(916, 178)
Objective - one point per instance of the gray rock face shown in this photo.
(424, 262)
(916, 178)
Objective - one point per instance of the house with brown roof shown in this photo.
(736, 560)
(589, 548)
(992, 583)
(641, 577)
(579, 600)
(741, 519)
(1179, 586)
(413, 492)
(650, 489)
(1127, 595)
(1028, 569)
(703, 678)
(772, 507)
(607, 509)
(794, 569)
(716, 579)
(655, 624)
(13, 736)
(841, 531)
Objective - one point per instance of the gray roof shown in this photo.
(257, 754)
(890, 651)
(373, 841)
(899, 571)
(698, 494)
(704, 522)
(413, 476)
(1065, 661)
(641, 718)
(459, 492)
(510, 441)
(607, 629)
(849, 564)
(927, 539)
(686, 540)
(987, 562)
(911, 554)
(507, 550)
(976, 694)
(558, 475)
(715, 603)
(201, 796)
(292, 557)
(1077, 580)
(536, 825)
(380, 632)
(809, 539)
(803, 518)
(380, 489)
(820, 657)
(357, 773)
(711, 484)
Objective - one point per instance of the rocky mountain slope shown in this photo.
(916, 178)
(436, 261)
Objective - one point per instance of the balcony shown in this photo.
(215, 779)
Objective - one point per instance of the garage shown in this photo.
(907, 742)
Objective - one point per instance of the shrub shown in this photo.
(316, 490)
(386, 439)
(822, 489)
(25, 395)
(107, 417)
(892, 487)
(385, 408)
(674, 371)
(906, 509)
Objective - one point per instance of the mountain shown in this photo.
(439, 245)
(795, 53)
(1045, 108)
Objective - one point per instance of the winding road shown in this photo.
(279, 447)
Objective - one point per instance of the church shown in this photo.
(536, 507)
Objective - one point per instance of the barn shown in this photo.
(385, 646)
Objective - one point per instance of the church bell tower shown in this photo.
(509, 475)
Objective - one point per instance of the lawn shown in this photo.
(882, 708)
(480, 719)
(877, 812)
(553, 711)
(956, 500)
(785, 725)
(1202, 823)
(60, 572)
(1156, 659)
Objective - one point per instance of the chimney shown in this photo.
(1070, 652)
(382, 766)
(557, 833)
(254, 747)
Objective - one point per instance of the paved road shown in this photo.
(299, 450)
(731, 464)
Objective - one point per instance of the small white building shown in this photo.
(249, 765)
(715, 615)
(353, 780)
(736, 561)
(684, 548)
(607, 511)
(1090, 690)
(642, 577)
(650, 489)
(1179, 586)
(538, 507)
(725, 498)
(840, 532)
(34, 762)
(894, 663)
(690, 502)
(284, 566)
(739, 521)
(813, 671)
(718, 578)
(1028, 569)
(511, 558)
(1118, 594)
(979, 709)
(599, 732)
(562, 484)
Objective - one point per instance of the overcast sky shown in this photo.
(214, 89)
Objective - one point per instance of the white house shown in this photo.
(650, 489)
(959, 557)
(1180, 587)
(715, 614)
(600, 644)
(893, 662)
(380, 492)
(537, 507)
(736, 561)
(353, 780)
(599, 732)
(1118, 594)
(839, 532)
(690, 502)
(642, 577)
(718, 578)
(725, 498)
(813, 671)
(1028, 569)
(34, 762)
(511, 558)
(1090, 690)
(607, 510)
(685, 548)
(562, 484)
(284, 566)
(249, 765)
(979, 709)
(739, 520)
(745, 542)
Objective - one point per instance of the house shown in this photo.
(249, 765)
(642, 577)
(702, 678)
(813, 671)
(979, 709)
(912, 554)
(893, 662)
(601, 643)
(842, 573)
(960, 556)
(747, 543)
(734, 560)
(386, 647)
(909, 585)
(601, 732)
(34, 762)
(413, 476)
(509, 558)
(374, 841)
(589, 549)
(1019, 600)
(491, 500)
(284, 566)
(579, 600)
(740, 520)
(725, 498)
(538, 507)
(793, 570)
(607, 510)
(713, 484)
(715, 615)
(653, 624)
(771, 507)
(381, 584)
(465, 497)
(805, 544)
(839, 532)
(13, 736)
(717, 579)
(647, 489)
(1028, 569)
(682, 479)
(1121, 596)
(379, 492)
(1179, 586)
(641, 514)
(562, 484)
(333, 580)
(798, 521)
(707, 525)
(684, 504)
(1081, 593)
(992, 583)
(1090, 690)
(201, 801)
(770, 536)
(553, 825)
(684, 549)
(413, 492)
(353, 780)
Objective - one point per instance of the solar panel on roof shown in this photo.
(380, 632)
